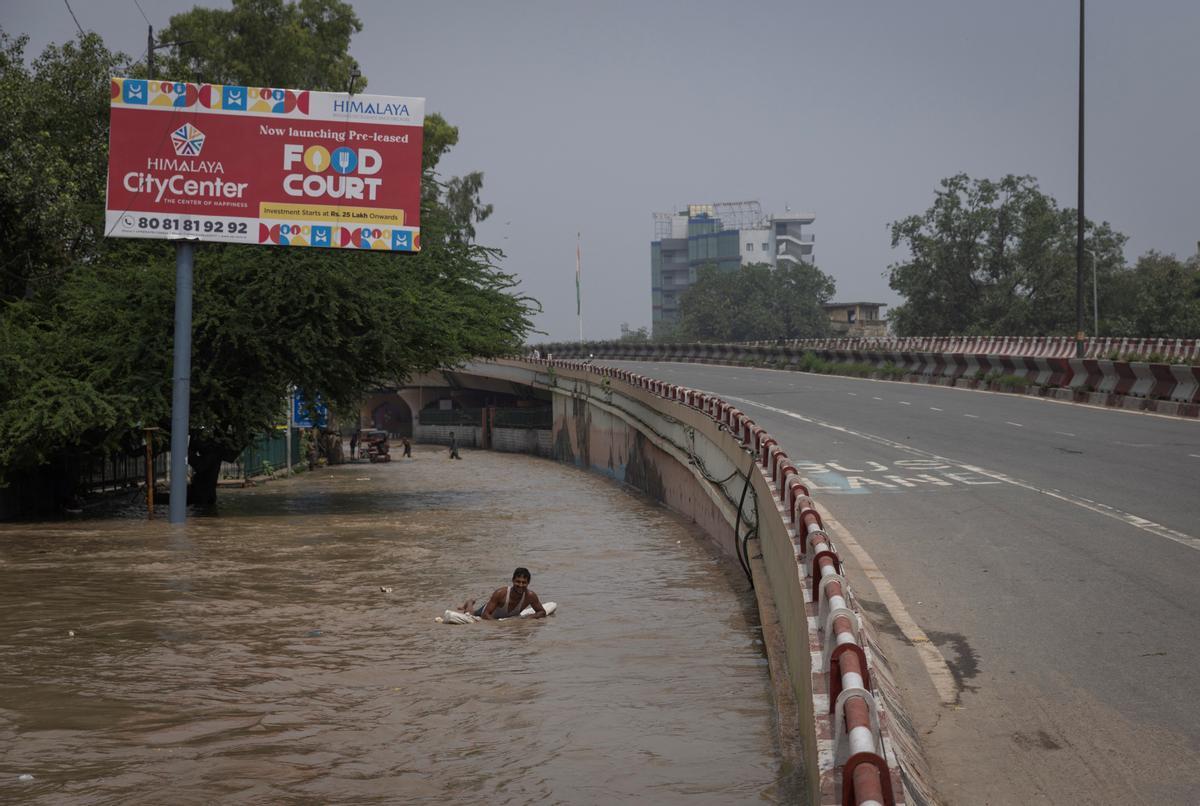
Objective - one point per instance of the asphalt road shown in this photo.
(1050, 552)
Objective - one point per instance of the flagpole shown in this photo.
(578, 298)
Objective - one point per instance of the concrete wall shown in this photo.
(624, 436)
(468, 436)
(535, 441)
(696, 454)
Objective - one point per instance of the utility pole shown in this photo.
(1079, 214)
(578, 292)
(148, 432)
(151, 47)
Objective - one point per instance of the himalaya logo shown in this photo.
(387, 109)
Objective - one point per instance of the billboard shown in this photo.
(262, 165)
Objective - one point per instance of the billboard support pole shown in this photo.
(181, 381)
(289, 432)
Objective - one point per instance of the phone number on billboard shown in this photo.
(191, 225)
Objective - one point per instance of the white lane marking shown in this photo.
(935, 665)
(905, 403)
(972, 416)
(1065, 433)
(934, 408)
(1018, 425)
(1115, 410)
(1128, 518)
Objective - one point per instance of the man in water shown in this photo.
(509, 601)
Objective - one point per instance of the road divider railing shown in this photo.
(1158, 375)
(856, 764)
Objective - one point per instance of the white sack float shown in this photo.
(458, 617)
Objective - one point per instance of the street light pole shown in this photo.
(1095, 297)
(1079, 215)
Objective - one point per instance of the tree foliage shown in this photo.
(1159, 297)
(756, 302)
(86, 334)
(630, 335)
(264, 43)
(998, 258)
(54, 138)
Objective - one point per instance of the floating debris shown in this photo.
(385, 588)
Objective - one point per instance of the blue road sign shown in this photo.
(300, 413)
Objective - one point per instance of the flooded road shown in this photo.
(253, 658)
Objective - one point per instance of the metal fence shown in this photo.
(119, 471)
(263, 456)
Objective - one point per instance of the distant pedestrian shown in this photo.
(353, 444)
(454, 447)
(407, 448)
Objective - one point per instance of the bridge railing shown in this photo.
(1166, 381)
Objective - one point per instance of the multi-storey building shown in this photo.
(728, 235)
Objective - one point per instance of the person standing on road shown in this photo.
(407, 448)
(454, 447)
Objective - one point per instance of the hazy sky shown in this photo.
(590, 116)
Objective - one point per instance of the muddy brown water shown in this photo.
(253, 658)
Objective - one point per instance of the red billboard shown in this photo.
(261, 165)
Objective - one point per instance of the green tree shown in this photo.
(993, 257)
(264, 43)
(756, 302)
(54, 137)
(1158, 298)
(631, 336)
(464, 204)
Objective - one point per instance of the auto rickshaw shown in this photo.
(373, 444)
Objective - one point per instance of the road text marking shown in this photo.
(1127, 518)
